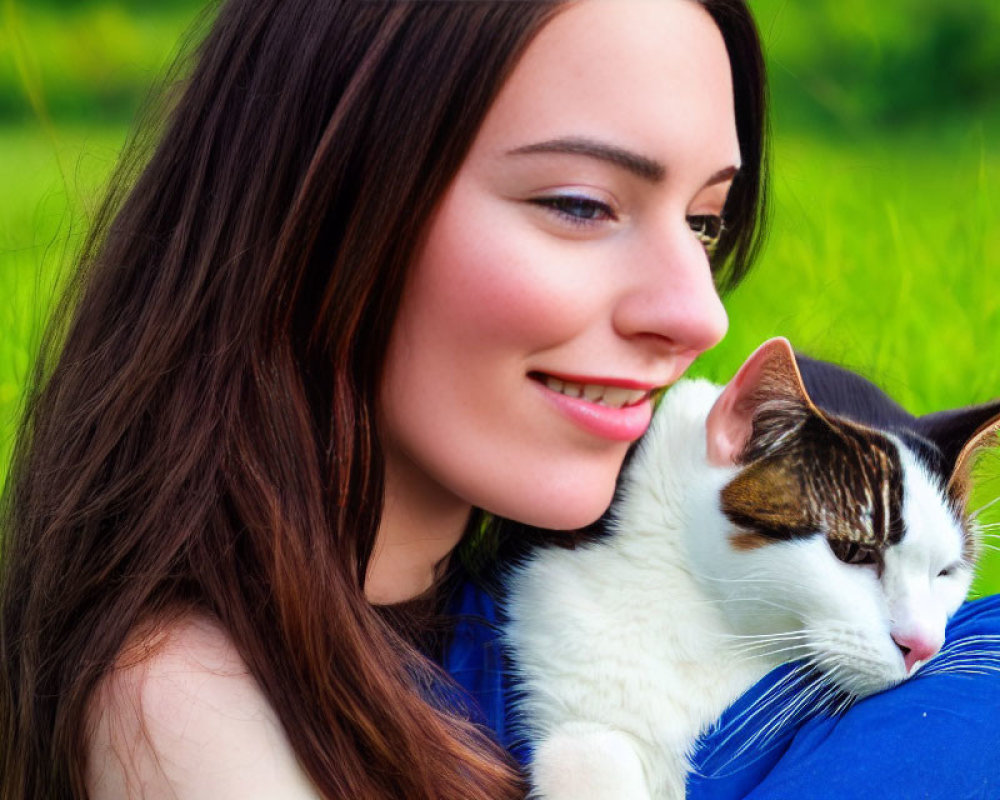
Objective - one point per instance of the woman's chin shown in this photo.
(560, 508)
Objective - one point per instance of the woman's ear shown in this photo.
(769, 374)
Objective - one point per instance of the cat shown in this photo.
(750, 528)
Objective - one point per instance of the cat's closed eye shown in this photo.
(853, 553)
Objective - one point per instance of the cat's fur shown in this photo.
(750, 529)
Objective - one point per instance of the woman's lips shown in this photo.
(614, 409)
(600, 393)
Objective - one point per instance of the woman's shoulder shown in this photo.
(181, 716)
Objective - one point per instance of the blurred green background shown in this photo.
(884, 243)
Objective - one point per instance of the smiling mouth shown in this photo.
(599, 394)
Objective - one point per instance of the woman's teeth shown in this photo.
(612, 396)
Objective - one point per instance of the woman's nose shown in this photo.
(670, 295)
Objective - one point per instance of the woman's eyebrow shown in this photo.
(646, 168)
(723, 175)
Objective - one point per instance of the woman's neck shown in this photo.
(421, 524)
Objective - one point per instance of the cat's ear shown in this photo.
(769, 375)
(962, 435)
(952, 431)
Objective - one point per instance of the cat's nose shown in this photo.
(915, 647)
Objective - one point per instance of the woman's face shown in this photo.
(566, 257)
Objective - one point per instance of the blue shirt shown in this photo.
(935, 736)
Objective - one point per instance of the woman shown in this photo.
(335, 314)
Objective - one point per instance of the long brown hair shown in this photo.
(201, 431)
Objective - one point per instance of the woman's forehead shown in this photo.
(650, 77)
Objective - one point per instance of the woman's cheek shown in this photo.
(490, 298)
(511, 286)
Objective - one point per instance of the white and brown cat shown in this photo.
(751, 528)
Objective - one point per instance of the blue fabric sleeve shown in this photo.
(936, 736)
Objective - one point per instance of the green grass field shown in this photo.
(884, 240)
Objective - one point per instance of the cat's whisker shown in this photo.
(826, 655)
(734, 580)
(767, 646)
(789, 685)
(844, 702)
(791, 680)
(770, 655)
(789, 711)
(760, 601)
(979, 648)
(839, 674)
(756, 648)
(988, 545)
(988, 528)
(754, 577)
(957, 659)
(769, 637)
(973, 515)
(966, 653)
(807, 701)
(983, 656)
(968, 641)
(842, 674)
(767, 653)
(986, 653)
(976, 668)
(742, 601)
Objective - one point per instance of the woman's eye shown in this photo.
(707, 229)
(576, 208)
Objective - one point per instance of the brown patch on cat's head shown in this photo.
(808, 474)
(748, 540)
(804, 473)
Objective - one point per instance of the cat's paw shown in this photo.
(588, 763)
